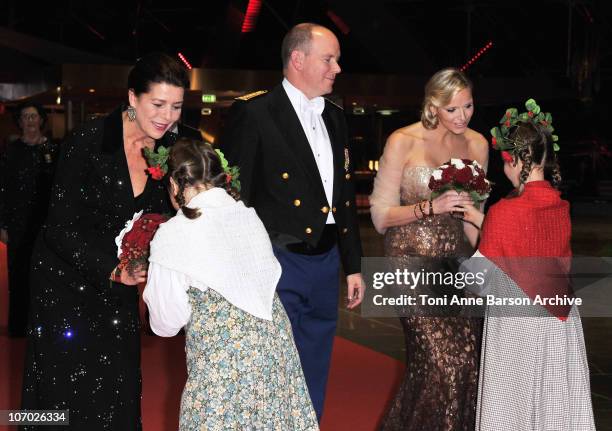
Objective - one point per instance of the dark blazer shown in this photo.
(264, 137)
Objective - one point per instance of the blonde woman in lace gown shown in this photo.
(438, 392)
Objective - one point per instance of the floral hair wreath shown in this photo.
(231, 172)
(158, 165)
(510, 147)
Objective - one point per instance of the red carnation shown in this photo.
(507, 157)
(156, 172)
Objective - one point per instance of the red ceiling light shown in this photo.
(185, 61)
(250, 17)
(477, 56)
(339, 22)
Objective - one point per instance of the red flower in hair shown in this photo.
(507, 157)
(156, 172)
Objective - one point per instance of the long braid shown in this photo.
(555, 175)
(182, 181)
(525, 156)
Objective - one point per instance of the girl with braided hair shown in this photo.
(534, 372)
(212, 271)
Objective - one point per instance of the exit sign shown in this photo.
(209, 98)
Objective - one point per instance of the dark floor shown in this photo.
(592, 236)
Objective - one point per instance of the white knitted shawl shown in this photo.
(226, 249)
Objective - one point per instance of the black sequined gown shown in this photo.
(83, 350)
(26, 174)
(438, 391)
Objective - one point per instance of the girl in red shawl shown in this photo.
(534, 372)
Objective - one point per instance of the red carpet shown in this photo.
(360, 384)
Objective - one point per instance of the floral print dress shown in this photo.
(244, 373)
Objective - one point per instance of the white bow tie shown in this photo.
(315, 105)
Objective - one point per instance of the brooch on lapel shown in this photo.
(347, 160)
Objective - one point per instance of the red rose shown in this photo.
(507, 157)
(530, 114)
(494, 142)
(463, 176)
(447, 175)
(156, 172)
(433, 184)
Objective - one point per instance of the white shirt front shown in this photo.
(309, 113)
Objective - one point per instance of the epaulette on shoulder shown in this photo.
(251, 95)
(334, 103)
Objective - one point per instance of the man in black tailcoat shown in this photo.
(295, 168)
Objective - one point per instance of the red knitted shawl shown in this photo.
(534, 225)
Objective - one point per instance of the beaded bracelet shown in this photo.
(416, 216)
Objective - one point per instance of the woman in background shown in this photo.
(26, 174)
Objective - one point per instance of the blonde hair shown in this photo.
(439, 91)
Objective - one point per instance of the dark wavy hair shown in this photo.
(535, 147)
(192, 163)
(156, 67)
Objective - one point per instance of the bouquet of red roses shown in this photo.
(461, 175)
(133, 242)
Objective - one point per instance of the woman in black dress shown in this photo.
(83, 350)
(26, 172)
